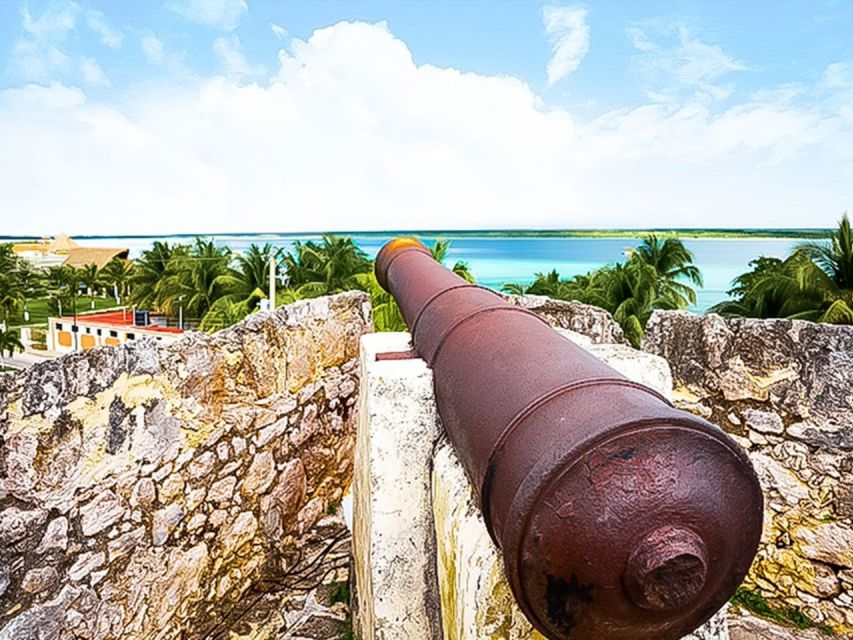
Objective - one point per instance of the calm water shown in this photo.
(495, 261)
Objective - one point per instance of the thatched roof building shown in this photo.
(62, 250)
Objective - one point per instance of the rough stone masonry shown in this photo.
(784, 389)
(145, 489)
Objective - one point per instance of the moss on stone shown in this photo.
(753, 601)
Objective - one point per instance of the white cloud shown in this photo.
(37, 54)
(838, 75)
(109, 36)
(681, 63)
(152, 48)
(56, 20)
(92, 72)
(230, 52)
(350, 133)
(569, 35)
(278, 31)
(44, 49)
(222, 14)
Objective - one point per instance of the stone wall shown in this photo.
(144, 490)
(593, 322)
(784, 389)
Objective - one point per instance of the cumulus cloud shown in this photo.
(92, 72)
(152, 48)
(56, 20)
(672, 60)
(222, 14)
(838, 75)
(230, 52)
(37, 54)
(97, 23)
(350, 133)
(278, 31)
(568, 33)
(44, 48)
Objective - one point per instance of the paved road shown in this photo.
(12, 364)
(24, 360)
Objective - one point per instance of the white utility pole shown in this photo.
(272, 282)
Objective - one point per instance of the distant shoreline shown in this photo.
(809, 233)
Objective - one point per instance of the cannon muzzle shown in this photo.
(618, 516)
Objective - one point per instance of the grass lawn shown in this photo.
(39, 309)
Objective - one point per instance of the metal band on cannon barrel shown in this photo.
(619, 516)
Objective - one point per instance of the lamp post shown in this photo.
(74, 313)
(181, 312)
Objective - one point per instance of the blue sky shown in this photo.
(253, 115)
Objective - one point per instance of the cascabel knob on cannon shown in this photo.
(618, 516)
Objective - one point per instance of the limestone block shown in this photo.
(476, 601)
(393, 537)
(646, 368)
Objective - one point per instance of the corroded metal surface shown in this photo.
(618, 516)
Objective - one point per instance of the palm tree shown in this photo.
(89, 278)
(31, 282)
(673, 263)
(149, 272)
(10, 343)
(11, 295)
(836, 256)
(814, 283)
(64, 284)
(250, 278)
(330, 266)
(8, 259)
(11, 290)
(631, 292)
(191, 279)
(439, 252)
(544, 284)
(651, 278)
(386, 313)
(225, 312)
(117, 274)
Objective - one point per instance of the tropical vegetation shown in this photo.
(18, 282)
(657, 274)
(10, 342)
(814, 283)
(208, 286)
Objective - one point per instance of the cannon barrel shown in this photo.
(618, 516)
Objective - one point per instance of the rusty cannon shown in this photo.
(617, 515)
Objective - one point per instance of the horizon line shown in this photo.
(433, 232)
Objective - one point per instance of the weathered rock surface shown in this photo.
(146, 490)
(393, 543)
(747, 627)
(594, 323)
(784, 390)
